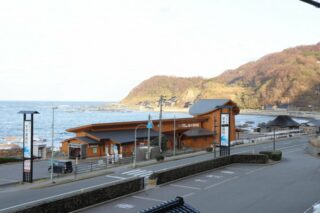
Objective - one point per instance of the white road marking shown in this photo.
(217, 184)
(138, 172)
(131, 171)
(213, 176)
(199, 180)
(125, 206)
(147, 198)
(188, 195)
(227, 172)
(187, 187)
(117, 177)
(315, 208)
(143, 173)
(255, 170)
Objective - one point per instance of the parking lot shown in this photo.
(289, 186)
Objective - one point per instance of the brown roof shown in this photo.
(129, 124)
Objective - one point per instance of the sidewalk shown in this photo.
(46, 182)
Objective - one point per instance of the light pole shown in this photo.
(52, 144)
(160, 121)
(174, 135)
(149, 126)
(135, 144)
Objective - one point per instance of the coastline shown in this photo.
(296, 114)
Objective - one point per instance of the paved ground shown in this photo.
(12, 172)
(290, 186)
(25, 194)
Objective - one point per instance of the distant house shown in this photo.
(311, 127)
(197, 132)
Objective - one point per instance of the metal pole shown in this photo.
(31, 160)
(148, 151)
(174, 135)
(160, 122)
(274, 139)
(52, 145)
(135, 147)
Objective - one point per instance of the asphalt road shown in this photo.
(289, 186)
(20, 195)
(12, 172)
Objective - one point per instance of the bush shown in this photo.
(273, 155)
(7, 160)
(159, 157)
(267, 153)
(276, 155)
(209, 149)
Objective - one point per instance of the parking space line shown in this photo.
(227, 172)
(188, 195)
(217, 184)
(213, 176)
(147, 198)
(187, 187)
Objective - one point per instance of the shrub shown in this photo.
(209, 149)
(276, 155)
(268, 153)
(159, 157)
(7, 160)
(273, 155)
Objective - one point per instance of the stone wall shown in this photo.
(187, 170)
(83, 198)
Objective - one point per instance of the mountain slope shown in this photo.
(291, 76)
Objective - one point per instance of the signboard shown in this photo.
(224, 119)
(224, 135)
(27, 166)
(27, 139)
(116, 153)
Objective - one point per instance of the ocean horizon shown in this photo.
(71, 114)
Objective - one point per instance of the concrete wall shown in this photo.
(187, 170)
(83, 198)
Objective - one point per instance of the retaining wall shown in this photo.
(184, 171)
(83, 198)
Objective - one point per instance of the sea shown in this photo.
(74, 114)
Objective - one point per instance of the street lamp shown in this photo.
(135, 144)
(52, 144)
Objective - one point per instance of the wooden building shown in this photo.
(206, 127)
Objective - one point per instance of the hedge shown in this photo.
(273, 155)
(8, 160)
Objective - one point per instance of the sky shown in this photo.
(98, 50)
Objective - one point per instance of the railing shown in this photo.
(99, 164)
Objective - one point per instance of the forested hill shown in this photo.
(291, 76)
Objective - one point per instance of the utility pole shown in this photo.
(215, 135)
(149, 123)
(52, 144)
(174, 135)
(160, 121)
